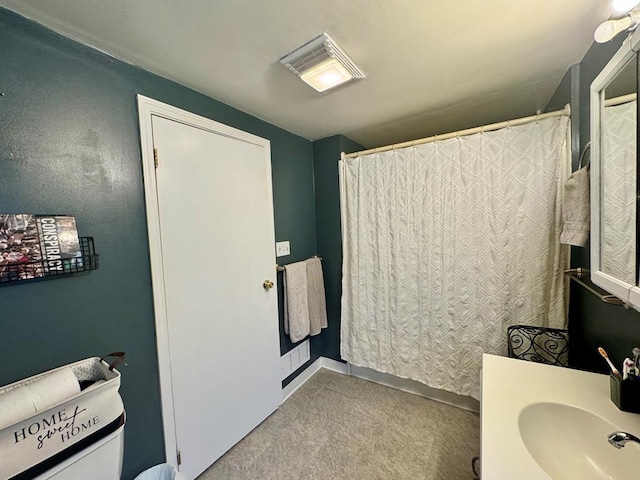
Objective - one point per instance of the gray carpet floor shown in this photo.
(338, 427)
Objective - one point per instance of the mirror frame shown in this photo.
(628, 293)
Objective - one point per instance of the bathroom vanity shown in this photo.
(543, 422)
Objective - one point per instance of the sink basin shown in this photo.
(571, 443)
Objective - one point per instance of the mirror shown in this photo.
(618, 175)
(614, 178)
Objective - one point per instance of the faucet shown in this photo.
(619, 439)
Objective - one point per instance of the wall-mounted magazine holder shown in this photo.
(14, 273)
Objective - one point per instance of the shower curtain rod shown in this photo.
(566, 111)
(611, 102)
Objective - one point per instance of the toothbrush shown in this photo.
(628, 370)
(602, 352)
(636, 353)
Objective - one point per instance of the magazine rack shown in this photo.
(10, 274)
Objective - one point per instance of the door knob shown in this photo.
(267, 284)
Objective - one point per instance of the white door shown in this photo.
(215, 212)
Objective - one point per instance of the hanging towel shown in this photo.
(317, 302)
(575, 209)
(296, 301)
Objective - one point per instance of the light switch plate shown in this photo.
(283, 249)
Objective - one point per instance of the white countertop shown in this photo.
(509, 385)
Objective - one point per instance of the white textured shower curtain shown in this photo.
(448, 243)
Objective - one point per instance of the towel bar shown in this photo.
(576, 275)
(281, 268)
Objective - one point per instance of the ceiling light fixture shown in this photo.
(326, 74)
(609, 29)
(322, 64)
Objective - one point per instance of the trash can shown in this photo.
(163, 471)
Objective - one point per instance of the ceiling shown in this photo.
(432, 66)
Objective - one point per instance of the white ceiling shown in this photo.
(433, 66)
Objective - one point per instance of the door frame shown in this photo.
(147, 108)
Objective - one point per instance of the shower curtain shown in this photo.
(448, 243)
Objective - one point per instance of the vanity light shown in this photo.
(609, 29)
(624, 6)
(322, 64)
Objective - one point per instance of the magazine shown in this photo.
(33, 246)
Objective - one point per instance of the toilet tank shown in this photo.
(99, 461)
(64, 424)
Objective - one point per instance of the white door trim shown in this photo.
(148, 107)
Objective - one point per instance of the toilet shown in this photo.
(64, 424)
(99, 461)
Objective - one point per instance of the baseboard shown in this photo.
(307, 373)
(386, 379)
(416, 388)
(297, 382)
(334, 365)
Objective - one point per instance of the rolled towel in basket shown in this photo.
(37, 396)
(55, 388)
(15, 405)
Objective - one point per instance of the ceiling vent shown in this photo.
(322, 64)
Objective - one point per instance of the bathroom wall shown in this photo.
(592, 323)
(69, 143)
(326, 154)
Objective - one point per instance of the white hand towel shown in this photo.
(317, 301)
(576, 209)
(296, 301)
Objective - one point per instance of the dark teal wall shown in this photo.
(326, 154)
(592, 323)
(568, 93)
(69, 143)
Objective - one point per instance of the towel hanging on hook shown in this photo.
(586, 148)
